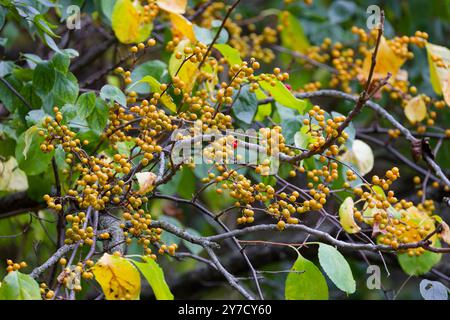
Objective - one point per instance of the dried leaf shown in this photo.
(416, 149)
(445, 233)
(146, 181)
(117, 276)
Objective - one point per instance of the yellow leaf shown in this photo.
(173, 6)
(446, 90)
(188, 71)
(118, 278)
(387, 61)
(213, 79)
(128, 22)
(445, 233)
(292, 34)
(346, 217)
(182, 26)
(416, 110)
(360, 155)
(439, 60)
(146, 181)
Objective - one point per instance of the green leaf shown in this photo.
(418, 265)
(155, 68)
(69, 112)
(19, 286)
(44, 78)
(99, 117)
(112, 93)
(86, 104)
(264, 110)
(6, 67)
(28, 153)
(206, 36)
(307, 283)
(336, 268)
(289, 120)
(283, 96)
(341, 11)
(35, 117)
(61, 62)
(154, 275)
(303, 138)
(65, 89)
(292, 35)
(229, 53)
(107, 7)
(3, 13)
(244, 107)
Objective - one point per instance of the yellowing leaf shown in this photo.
(155, 86)
(415, 218)
(146, 181)
(439, 75)
(187, 71)
(445, 233)
(211, 75)
(346, 216)
(292, 34)
(387, 61)
(182, 26)
(174, 6)
(416, 110)
(118, 278)
(128, 22)
(360, 155)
